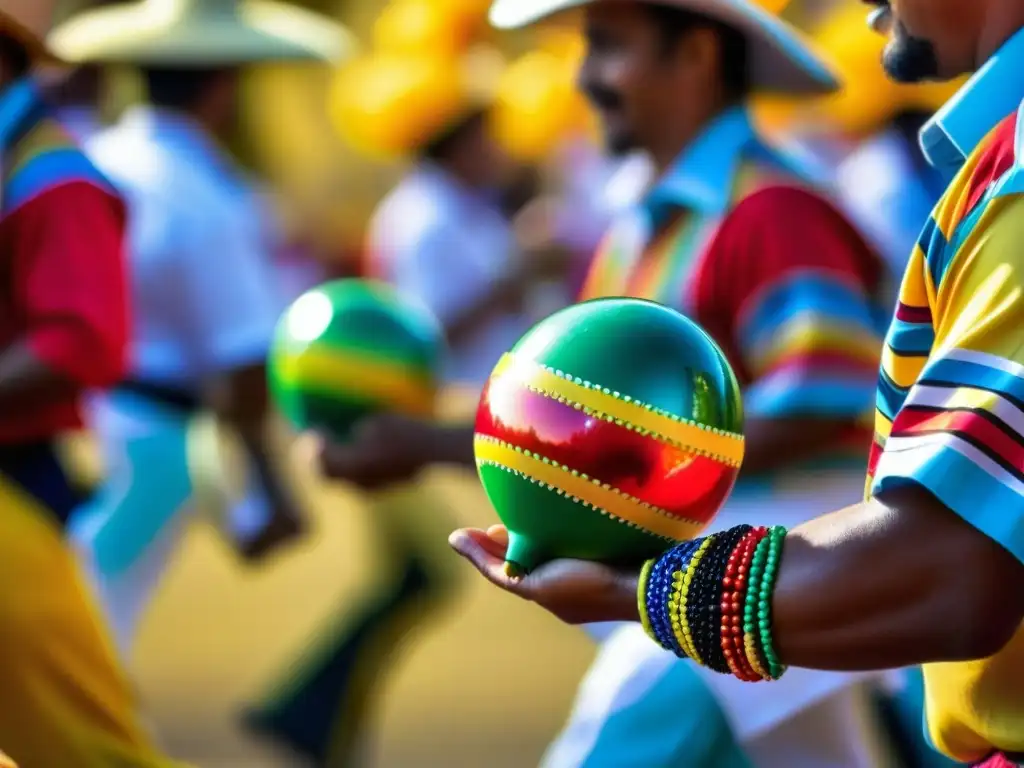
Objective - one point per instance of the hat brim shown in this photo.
(782, 60)
(262, 31)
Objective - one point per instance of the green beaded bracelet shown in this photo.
(751, 628)
(764, 604)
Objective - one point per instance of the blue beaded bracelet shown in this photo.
(659, 592)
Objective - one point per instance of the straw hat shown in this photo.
(388, 107)
(441, 27)
(208, 32)
(781, 59)
(537, 104)
(29, 21)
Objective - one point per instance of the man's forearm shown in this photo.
(893, 583)
(773, 443)
(454, 445)
(26, 380)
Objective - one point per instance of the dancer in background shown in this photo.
(441, 238)
(202, 282)
(64, 330)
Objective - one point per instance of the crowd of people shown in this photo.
(141, 294)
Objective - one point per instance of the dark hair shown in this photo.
(177, 88)
(440, 146)
(15, 56)
(674, 23)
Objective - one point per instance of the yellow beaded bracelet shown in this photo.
(641, 598)
(691, 647)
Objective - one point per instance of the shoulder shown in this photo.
(46, 160)
(154, 176)
(777, 202)
(408, 217)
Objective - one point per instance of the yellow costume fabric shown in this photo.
(65, 702)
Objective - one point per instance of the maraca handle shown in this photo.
(523, 554)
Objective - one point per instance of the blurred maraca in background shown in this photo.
(351, 348)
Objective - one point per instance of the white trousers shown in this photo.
(128, 534)
(807, 719)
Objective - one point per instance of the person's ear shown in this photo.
(700, 50)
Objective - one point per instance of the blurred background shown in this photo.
(479, 679)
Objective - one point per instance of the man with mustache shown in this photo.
(929, 569)
(731, 232)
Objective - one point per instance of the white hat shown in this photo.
(199, 32)
(28, 22)
(782, 60)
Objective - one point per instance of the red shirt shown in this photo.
(63, 277)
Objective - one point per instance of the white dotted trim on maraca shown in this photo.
(554, 389)
(576, 499)
(642, 507)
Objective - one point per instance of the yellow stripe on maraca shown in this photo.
(726, 447)
(601, 496)
(373, 380)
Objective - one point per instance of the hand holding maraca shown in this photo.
(576, 591)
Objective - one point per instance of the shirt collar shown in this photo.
(993, 92)
(17, 103)
(701, 178)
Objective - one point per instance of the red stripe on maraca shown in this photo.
(684, 484)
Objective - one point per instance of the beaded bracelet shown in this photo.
(751, 632)
(659, 595)
(710, 600)
(735, 590)
(706, 611)
(764, 605)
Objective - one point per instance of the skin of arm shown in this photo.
(854, 593)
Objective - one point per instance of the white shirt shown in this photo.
(204, 291)
(446, 246)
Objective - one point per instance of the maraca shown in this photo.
(612, 430)
(351, 348)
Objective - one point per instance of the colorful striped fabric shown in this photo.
(631, 261)
(46, 157)
(798, 316)
(950, 409)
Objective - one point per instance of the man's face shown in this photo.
(928, 39)
(628, 76)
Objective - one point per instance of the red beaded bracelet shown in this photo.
(735, 586)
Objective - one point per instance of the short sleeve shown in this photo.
(428, 268)
(234, 302)
(67, 247)
(794, 291)
(960, 432)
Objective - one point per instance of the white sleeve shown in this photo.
(431, 268)
(233, 296)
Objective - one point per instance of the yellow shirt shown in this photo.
(950, 410)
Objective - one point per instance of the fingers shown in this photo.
(488, 557)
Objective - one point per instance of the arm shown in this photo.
(68, 270)
(234, 309)
(791, 293)
(389, 449)
(932, 567)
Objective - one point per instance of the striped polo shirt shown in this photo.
(950, 402)
(738, 236)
